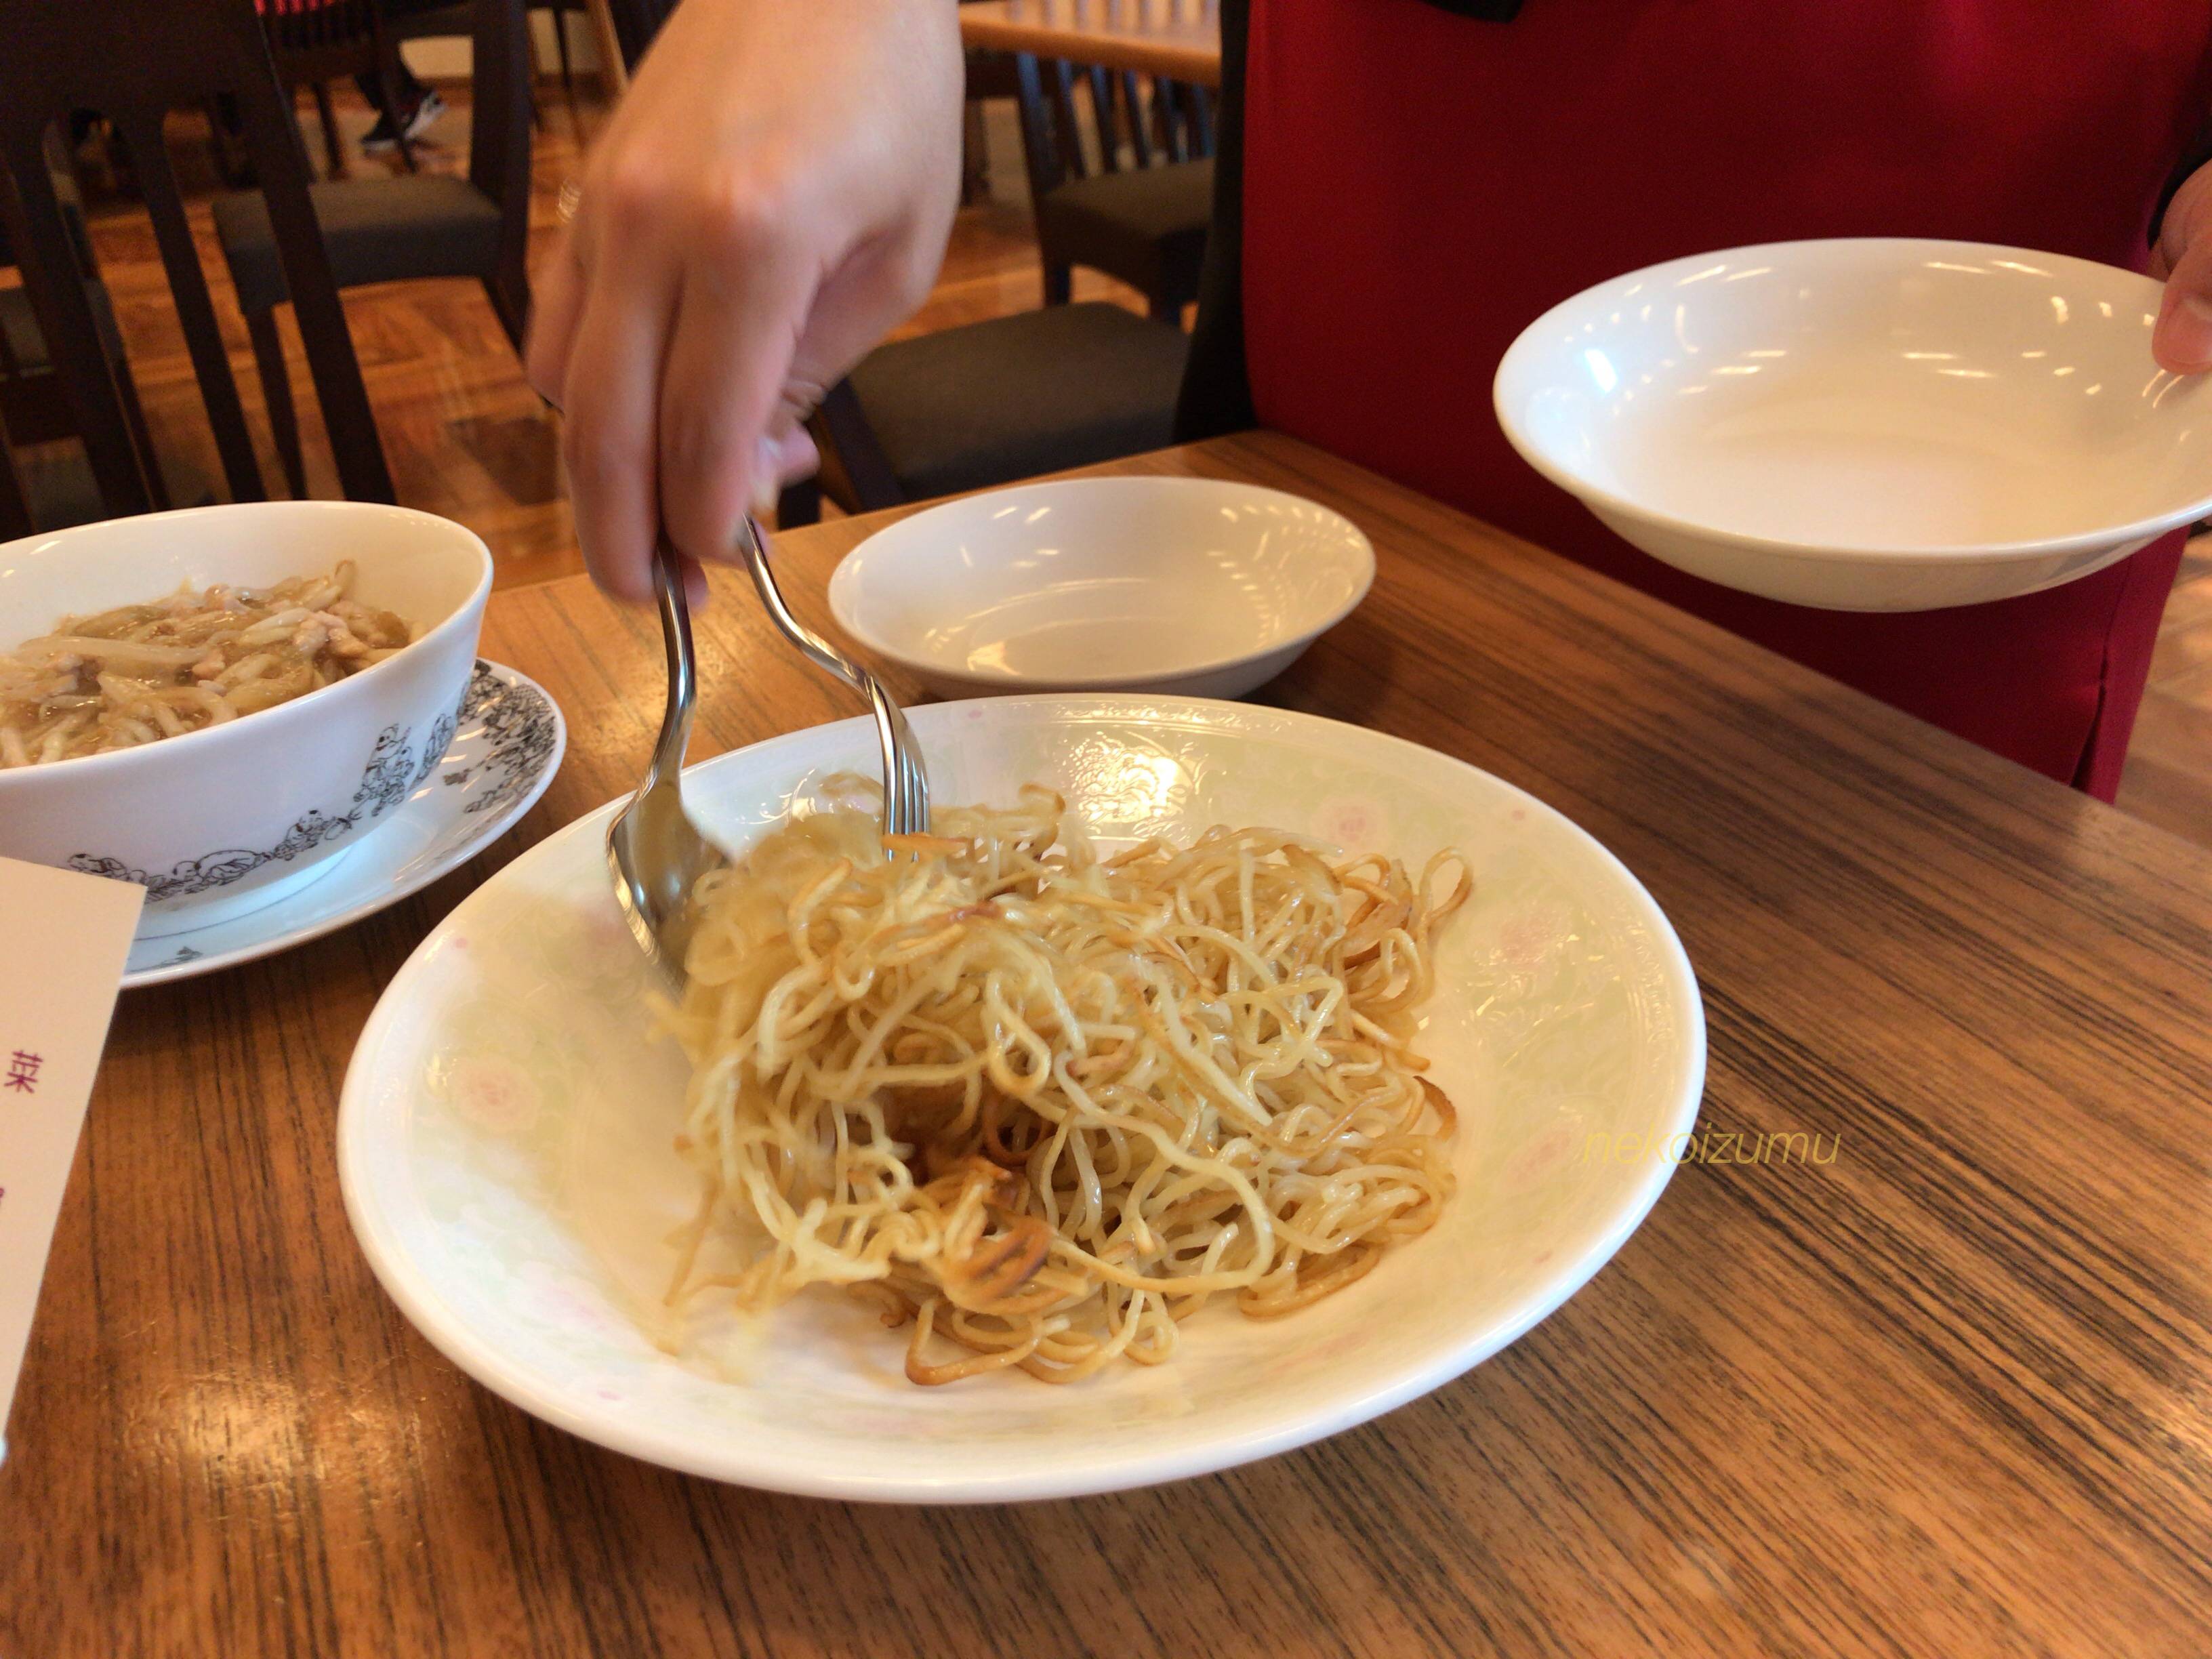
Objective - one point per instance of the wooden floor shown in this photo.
(468, 438)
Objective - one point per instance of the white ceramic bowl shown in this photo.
(1195, 586)
(505, 1133)
(1866, 425)
(221, 821)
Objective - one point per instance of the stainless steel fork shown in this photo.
(906, 784)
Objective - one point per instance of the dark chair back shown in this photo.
(323, 40)
(1135, 120)
(318, 41)
(132, 62)
(499, 142)
(32, 407)
(636, 23)
(499, 127)
(15, 506)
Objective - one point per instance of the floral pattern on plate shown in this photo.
(493, 763)
(505, 1135)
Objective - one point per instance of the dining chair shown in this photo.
(560, 12)
(393, 229)
(635, 24)
(314, 42)
(54, 487)
(990, 77)
(985, 403)
(32, 405)
(15, 519)
(64, 59)
(1141, 209)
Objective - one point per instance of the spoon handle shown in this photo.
(683, 675)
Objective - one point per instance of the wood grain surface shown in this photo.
(1945, 1395)
(1179, 38)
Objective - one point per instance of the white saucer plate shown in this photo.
(505, 1136)
(507, 745)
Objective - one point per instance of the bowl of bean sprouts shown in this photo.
(217, 704)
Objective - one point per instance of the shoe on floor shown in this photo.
(382, 138)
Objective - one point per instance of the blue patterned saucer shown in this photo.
(507, 745)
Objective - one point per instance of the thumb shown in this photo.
(2182, 341)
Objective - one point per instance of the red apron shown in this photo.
(1419, 185)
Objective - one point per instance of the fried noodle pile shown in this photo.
(1046, 1104)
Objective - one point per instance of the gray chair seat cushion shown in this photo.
(19, 326)
(34, 407)
(971, 407)
(27, 346)
(1147, 225)
(378, 230)
(60, 490)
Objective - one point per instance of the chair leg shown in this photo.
(534, 71)
(799, 503)
(322, 89)
(134, 417)
(510, 294)
(855, 474)
(15, 506)
(568, 69)
(614, 70)
(975, 155)
(1058, 283)
(276, 393)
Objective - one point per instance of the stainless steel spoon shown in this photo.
(656, 852)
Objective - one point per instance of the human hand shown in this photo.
(2182, 341)
(772, 196)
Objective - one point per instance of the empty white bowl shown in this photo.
(1866, 425)
(224, 820)
(1195, 586)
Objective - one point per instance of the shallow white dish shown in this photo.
(504, 1136)
(1866, 425)
(505, 751)
(219, 821)
(1194, 585)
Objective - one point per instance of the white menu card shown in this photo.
(63, 939)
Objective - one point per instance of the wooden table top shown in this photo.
(1179, 38)
(1946, 1394)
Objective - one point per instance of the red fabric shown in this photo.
(1418, 186)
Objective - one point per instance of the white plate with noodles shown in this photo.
(1074, 1151)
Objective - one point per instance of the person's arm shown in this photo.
(772, 197)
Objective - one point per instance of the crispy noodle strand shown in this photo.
(1043, 1105)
